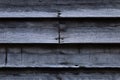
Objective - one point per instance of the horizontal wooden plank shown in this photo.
(14, 57)
(90, 31)
(27, 8)
(99, 56)
(36, 56)
(65, 56)
(28, 31)
(91, 13)
(89, 8)
(51, 8)
(2, 56)
(59, 75)
(27, 14)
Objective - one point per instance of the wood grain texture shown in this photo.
(51, 8)
(42, 56)
(65, 56)
(27, 15)
(28, 31)
(90, 31)
(89, 8)
(27, 8)
(90, 56)
(2, 56)
(59, 75)
(14, 57)
(91, 13)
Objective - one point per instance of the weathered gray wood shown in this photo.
(27, 14)
(14, 57)
(59, 75)
(65, 56)
(2, 56)
(28, 31)
(88, 13)
(89, 8)
(43, 56)
(90, 31)
(27, 8)
(100, 55)
(50, 8)
(90, 56)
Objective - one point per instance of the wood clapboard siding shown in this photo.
(28, 31)
(90, 30)
(52, 8)
(27, 15)
(89, 8)
(27, 8)
(60, 30)
(65, 56)
(2, 56)
(42, 45)
(46, 74)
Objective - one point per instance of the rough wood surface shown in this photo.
(2, 56)
(90, 31)
(51, 8)
(40, 57)
(27, 15)
(27, 8)
(65, 56)
(91, 13)
(59, 74)
(14, 57)
(28, 31)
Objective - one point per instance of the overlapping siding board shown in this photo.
(46, 74)
(90, 31)
(27, 8)
(52, 8)
(89, 8)
(64, 56)
(59, 40)
(2, 57)
(28, 31)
